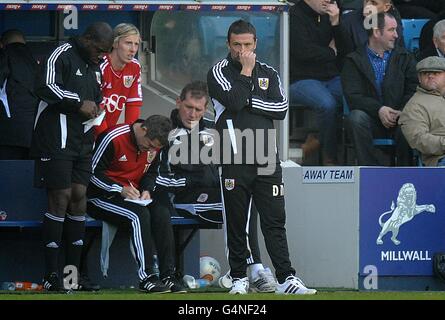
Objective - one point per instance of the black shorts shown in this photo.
(60, 174)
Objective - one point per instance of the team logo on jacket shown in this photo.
(123, 158)
(263, 83)
(229, 184)
(128, 81)
(202, 197)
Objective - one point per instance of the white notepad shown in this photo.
(140, 202)
(93, 122)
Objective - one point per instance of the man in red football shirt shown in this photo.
(122, 157)
(121, 78)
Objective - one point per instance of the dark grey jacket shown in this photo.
(359, 86)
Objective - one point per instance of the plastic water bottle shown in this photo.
(193, 283)
(27, 286)
(21, 286)
(189, 281)
(10, 286)
(202, 283)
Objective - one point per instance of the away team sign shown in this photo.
(328, 174)
(402, 219)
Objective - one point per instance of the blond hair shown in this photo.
(123, 30)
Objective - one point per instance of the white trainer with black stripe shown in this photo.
(293, 285)
(264, 283)
(240, 286)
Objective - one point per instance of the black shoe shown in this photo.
(85, 284)
(51, 283)
(174, 284)
(153, 285)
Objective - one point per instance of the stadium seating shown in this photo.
(303, 122)
(24, 207)
(411, 33)
(381, 142)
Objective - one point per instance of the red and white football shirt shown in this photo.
(120, 89)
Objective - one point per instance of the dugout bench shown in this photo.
(24, 206)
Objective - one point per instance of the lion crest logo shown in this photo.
(404, 212)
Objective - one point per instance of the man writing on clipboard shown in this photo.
(121, 158)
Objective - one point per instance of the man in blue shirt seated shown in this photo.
(377, 82)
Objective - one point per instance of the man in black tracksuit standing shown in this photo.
(247, 97)
(62, 145)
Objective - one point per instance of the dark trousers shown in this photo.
(254, 247)
(241, 184)
(363, 129)
(145, 224)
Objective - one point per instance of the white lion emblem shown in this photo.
(405, 211)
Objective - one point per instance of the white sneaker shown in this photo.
(240, 286)
(293, 285)
(265, 282)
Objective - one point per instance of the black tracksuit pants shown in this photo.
(241, 184)
(145, 224)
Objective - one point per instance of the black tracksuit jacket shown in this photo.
(193, 184)
(247, 103)
(17, 129)
(68, 80)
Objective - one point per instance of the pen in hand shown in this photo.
(135, 194)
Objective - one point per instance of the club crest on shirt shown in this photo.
(229, 184)
(263, 83)
(128, 81)
(150, 156)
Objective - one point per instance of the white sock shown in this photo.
(254, 269)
